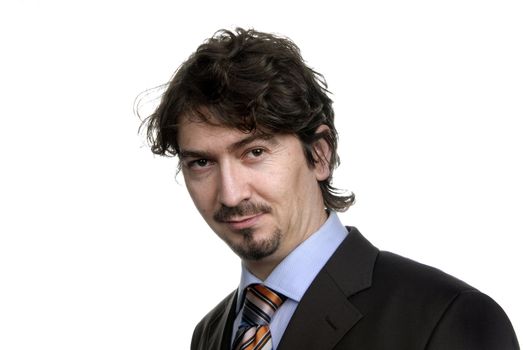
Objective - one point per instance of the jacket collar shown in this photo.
(325, 314)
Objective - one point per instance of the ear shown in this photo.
(322, 155)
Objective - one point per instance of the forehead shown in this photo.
(192, 130)
(207, 134)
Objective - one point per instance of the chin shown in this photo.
(256, 248)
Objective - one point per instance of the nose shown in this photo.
(234, 184)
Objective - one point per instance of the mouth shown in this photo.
(243, 222)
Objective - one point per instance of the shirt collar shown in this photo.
(294, 274)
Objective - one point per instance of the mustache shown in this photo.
(225, 213)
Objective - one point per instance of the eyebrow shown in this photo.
(251, 138)
(193, 154)
(231, 148)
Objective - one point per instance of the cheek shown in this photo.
(301, 184)
(283, 185)
(201, 196)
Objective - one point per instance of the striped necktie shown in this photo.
(259, 306)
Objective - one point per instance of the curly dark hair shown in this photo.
(250, 81)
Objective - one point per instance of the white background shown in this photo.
(101, 248)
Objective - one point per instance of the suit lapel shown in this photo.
(325, 315)
(221, 327)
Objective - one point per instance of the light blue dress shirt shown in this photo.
(293, 276)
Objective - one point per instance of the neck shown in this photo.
(262, 268)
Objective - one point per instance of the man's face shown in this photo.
(255, 191)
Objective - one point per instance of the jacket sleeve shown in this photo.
(473, 321)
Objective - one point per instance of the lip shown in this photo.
(244, 222)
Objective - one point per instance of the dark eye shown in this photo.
(257, 152)
(199, 163)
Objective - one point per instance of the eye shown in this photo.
(256, 152)
(198, 163)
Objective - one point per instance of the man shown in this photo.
(254, 130)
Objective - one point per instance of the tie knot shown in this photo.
(260, 304)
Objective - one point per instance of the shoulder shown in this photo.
(446, 312)
(397, 272)
(472, 320)
(406, 291)
(215, 320)
(418, 290)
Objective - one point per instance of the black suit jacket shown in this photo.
(364, 298)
